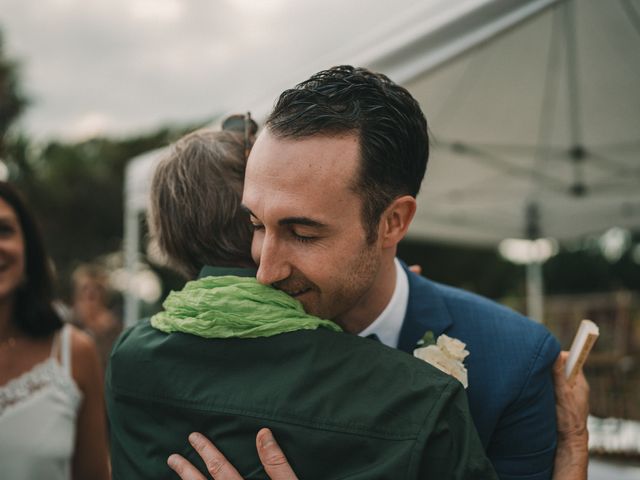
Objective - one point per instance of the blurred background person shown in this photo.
(52, 422)
(91, 312)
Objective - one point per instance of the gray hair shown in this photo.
(195, 214)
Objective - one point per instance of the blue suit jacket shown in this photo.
(510, 392)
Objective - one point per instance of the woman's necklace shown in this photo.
(8, 343)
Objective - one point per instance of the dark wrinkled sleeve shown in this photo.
(450, 447)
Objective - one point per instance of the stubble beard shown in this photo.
(340, 302)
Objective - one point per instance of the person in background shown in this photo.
(91, 313)
(52, 422)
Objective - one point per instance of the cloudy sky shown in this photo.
(121, 66)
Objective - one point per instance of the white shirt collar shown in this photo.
(389, 323)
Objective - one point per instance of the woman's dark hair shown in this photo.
(33, 311)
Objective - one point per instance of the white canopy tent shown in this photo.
(534, 111)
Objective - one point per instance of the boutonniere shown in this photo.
(446, 354)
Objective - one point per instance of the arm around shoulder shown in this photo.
(91, 458)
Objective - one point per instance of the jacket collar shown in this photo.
(211, 271)
(426, 311)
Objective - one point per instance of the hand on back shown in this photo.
(274, 462)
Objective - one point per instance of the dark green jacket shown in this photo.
(339, 405)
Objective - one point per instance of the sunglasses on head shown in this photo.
(242, 123)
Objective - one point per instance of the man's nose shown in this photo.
(273, 264)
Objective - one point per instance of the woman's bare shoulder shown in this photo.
(85, 362)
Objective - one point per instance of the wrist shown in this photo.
(572, 456)
(576, 437)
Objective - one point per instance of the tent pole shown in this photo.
(131, 241)
(535, 281)
(573, 92)
(535, 291)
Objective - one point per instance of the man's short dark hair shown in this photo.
(391, 128)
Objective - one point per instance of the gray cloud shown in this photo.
(131, 64)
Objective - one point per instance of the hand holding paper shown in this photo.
(587, 335)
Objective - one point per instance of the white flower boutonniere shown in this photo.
(446, 354)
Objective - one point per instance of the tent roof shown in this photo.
(536, 129)
(492, 77)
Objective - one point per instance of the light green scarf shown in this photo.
(230, 306)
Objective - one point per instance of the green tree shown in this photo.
(12, 101)
(76, 190)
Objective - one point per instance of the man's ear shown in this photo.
(396, 219)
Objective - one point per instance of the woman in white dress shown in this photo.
(52, 420)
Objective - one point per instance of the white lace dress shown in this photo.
(38, 412)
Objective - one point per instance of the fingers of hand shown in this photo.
(273, 459)
(268, 449)
(572, 400)
(581, 381)
(216, 463)
(559, 365)
(417, 269)
(578, 382)
(183, 468)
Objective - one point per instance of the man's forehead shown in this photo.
(337, 156)
(310, 177)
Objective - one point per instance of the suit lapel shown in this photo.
(426, 310)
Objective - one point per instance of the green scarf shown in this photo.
(230, 306)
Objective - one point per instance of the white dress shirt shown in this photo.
(389, 323)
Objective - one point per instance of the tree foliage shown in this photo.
(76, 190)
(12, 101)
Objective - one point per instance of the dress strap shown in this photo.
(55, 344)
(65, 348)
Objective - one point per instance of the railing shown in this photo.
(613, 368)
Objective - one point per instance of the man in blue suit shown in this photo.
(510, 389)
(331, 186)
